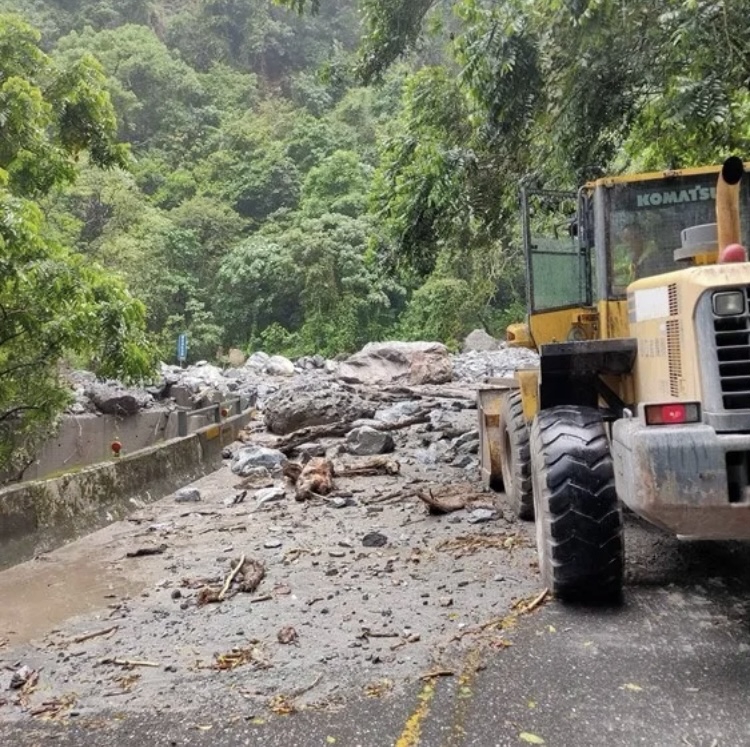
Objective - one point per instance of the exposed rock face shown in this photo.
(398, 362)
(479, 340)
(312, 400)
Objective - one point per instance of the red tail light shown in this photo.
(674, 413)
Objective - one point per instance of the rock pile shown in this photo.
(263, 381)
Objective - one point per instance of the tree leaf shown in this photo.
(530, 738)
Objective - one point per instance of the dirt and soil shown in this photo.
(249, 604)
(363, 590)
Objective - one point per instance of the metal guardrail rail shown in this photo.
(219, 411)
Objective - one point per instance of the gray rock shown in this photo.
(399, 411)
(20, 677)
(478, 365)
(188, 495)
(312, 400)
(374, 539)
(461, 461)
(257, 361)
(272, 544)
(440, 451)
(466, 438)
(310, 450)
(390, 362)
(469, 447)
(482, 515)
(278, 365)
(479, 340)
(252, 457)
(269, 495)
(234, 373)
(367, 441)
(113, 399)
(340, 502)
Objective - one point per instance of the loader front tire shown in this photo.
(516, 457)
(578, 517)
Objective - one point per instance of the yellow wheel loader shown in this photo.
(640, 311)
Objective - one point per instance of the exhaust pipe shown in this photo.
(728, 211)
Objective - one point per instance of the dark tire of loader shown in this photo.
(516, 462)
(578, 517)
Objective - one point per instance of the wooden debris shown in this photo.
(468, 544)
(52, 709)
(141, 551)
(315, 479)
(282, 705)
(443, 499)
(378, 465)
(264, 598)
(287, 444)
(524, 606)
(230, 577)
(378, 689)
(127, 682)
(444, 504)
(292, 471)
(129, 663)
(437, 673)
(246, 575)
(367, 633)
(251, 574)
(238, 657)
(287, 635)
(88, 636)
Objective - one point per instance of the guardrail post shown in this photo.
(217, 413)
(182, 423)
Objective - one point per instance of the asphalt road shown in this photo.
(669, 667)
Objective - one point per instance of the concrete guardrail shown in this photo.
(41, 515)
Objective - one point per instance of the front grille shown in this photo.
(733, 354)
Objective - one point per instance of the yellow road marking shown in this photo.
(413, 728)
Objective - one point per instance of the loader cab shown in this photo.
(583, 250)
(635, 224)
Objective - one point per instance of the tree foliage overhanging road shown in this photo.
(52, 301)
(308, 178)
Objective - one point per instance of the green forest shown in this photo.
(305, 177)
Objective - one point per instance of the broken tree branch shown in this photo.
(129, 663)
(230, 577)
(88, 636)
(287, 444)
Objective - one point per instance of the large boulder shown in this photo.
(479, 340)
(249, 458)
(114, 399)
(366, 441)
(312, 400)
(236, 358)
(278, 365)
(398, 362)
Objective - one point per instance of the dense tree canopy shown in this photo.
(308, 175)
(53, 303)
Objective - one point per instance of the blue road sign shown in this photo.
(182, 347)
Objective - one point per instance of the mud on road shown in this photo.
(364, 592)
(365, 596)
